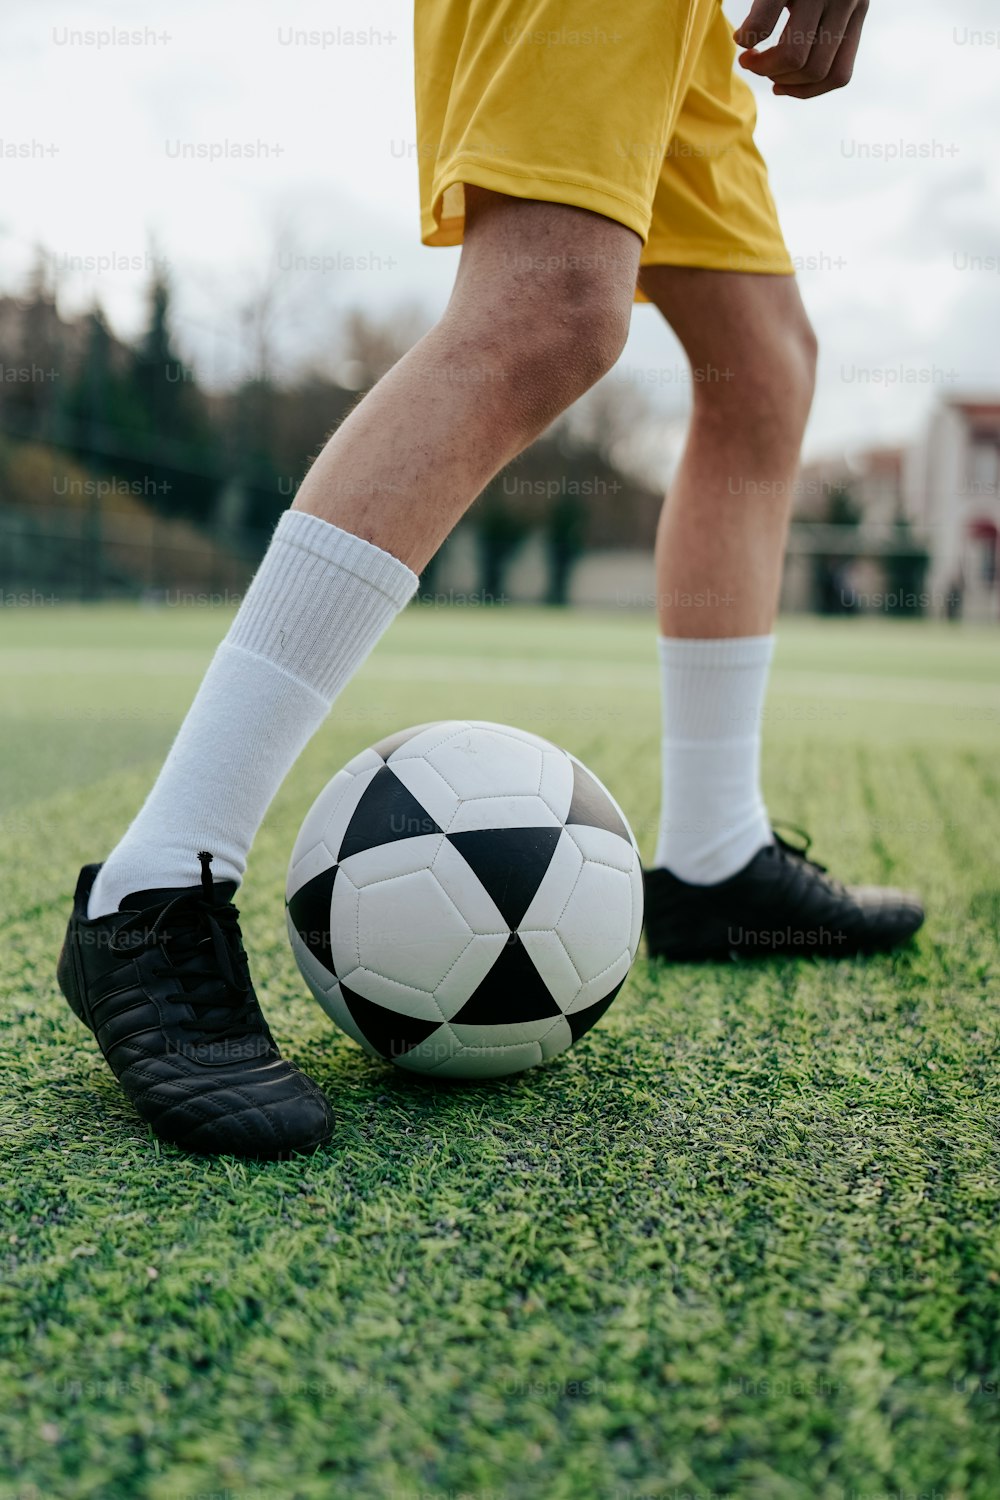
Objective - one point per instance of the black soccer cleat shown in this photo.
(780, 903)
(165, 987)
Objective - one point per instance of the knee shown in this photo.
(561, 345)
(582, 334)
(549, 337)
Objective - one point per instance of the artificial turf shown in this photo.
(742, 1241)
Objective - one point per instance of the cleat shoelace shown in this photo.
(801, 855)
(182, 929)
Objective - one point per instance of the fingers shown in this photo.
(763, 18)
(799, 41)
(841, 66)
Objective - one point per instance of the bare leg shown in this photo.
(525, 333)
(724, 524)
(720, 884)
(719, 550)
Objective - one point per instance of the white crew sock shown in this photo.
(319, 601)
(712, 819)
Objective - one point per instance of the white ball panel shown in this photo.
(527, 811)
(480, 762)
(387, 861)
(341, 815)
(430, 736)
(468, 971)
(410, 930)
(510, 731)
(556, 787)
(310, 863)
(604, 847)
(411, 732)
(469, 894)
(557, 885)
(638, 899)
(601, 984)
(365, 760)
(467, 1063)
(311, 833)
(597, 923)
(548, 954)
(497, 1039)
(316, 823)
(344, 925)
(427, 1056)
(405, 999)
(316, 975)
(556, 1040)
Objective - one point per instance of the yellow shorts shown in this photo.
(635, 113)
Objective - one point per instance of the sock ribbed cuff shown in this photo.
(342, 549)
(726, 651)
(319, 585)
(713, 690)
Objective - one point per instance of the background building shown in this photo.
(953, 499)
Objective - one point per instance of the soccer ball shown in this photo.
(464, 899)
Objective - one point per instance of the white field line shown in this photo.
(386, 667)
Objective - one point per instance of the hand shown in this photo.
(814, 54)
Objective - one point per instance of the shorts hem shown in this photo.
(715, 258)
(720, 258)
(521, 182)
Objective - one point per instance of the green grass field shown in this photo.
(742, 1241)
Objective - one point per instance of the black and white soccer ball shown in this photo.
(465, 899)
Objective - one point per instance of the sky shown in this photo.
(889, 191)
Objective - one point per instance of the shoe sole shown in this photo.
(307, 1149)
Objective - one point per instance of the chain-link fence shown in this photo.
(74, 553)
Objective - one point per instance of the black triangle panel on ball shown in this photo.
(512, 991)
(389, 1032)
(592, 805)
(309, 910)
(580, 1021)
(386, 812)
(510, 863)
